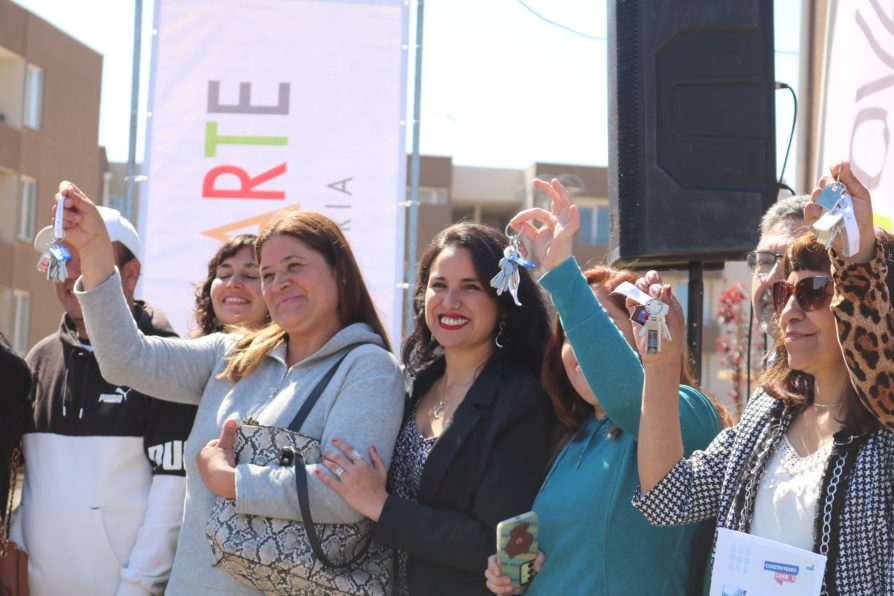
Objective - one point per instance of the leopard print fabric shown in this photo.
(862, 308)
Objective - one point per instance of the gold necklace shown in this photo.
(827, 406)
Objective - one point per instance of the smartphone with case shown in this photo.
(517, 547)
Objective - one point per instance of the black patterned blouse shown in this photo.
(410, 454)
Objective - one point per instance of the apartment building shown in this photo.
(49, 123)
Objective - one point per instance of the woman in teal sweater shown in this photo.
(593, 540)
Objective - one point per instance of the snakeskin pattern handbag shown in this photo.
(281, 556)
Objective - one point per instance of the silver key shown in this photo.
(655, 328)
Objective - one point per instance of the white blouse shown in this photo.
(785, 507)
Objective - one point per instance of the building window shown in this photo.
(429, 196)
(593, 224)
(27, 209)
(33, 96)
(21, 313)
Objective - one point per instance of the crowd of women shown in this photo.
(628, 463)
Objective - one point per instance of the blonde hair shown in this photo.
(320, 234)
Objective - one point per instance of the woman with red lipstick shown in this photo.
(230, 296)
(807, 465)
(477, 429)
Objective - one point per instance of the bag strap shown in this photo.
(310, 529)
(301, 477)
(315, 394)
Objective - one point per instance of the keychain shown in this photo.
(508, 278)
(655, 328)
(838, 219)
(54, 257)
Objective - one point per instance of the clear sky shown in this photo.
(501, 87)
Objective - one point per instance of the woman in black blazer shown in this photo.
(476, 437)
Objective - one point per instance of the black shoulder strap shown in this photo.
(315, 394)
(301, 478)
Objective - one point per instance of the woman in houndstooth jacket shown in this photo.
(808, 465)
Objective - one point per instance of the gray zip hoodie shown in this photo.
(363, 404)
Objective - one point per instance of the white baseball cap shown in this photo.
(120, 230)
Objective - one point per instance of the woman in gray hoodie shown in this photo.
(319, 308)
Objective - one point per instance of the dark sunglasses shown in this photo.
(761, 262)
(810, 293)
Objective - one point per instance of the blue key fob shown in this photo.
(60, 253)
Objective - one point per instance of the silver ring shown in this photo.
(508, 232)
(356, 455)
(339, 471)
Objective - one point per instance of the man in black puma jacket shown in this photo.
(104, 480)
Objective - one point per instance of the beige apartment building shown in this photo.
(49, 123)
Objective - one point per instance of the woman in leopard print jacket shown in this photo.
(809, 464)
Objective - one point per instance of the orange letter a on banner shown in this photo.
(251, 225)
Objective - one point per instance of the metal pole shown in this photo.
(134, 106)
(694, 316)
(414, 176)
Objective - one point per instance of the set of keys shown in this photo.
(838, 219)
(654, 322)
(54, 258)
(655, 328)
(508, 278)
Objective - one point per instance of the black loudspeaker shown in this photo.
(692, 143)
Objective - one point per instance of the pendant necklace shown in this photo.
(439, 409)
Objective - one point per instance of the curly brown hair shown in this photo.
(204, 312)
(523, 330)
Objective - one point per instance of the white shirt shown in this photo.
(785, 507)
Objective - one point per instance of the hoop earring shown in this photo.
(500, 330)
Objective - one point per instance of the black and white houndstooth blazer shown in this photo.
(854, 527)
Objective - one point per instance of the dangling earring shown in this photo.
(500, 329)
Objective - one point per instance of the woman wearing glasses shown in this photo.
(808, 465)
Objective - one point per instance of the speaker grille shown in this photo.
(692, 154)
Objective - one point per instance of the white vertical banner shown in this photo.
(858, 112)
(257, 105)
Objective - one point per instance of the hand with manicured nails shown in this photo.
(361, 484)
(862, 210)
(502, 585)
(552, 242)
(217, 462)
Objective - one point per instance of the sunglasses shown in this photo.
(761, 262)
(810, 293)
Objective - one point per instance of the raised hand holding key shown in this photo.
(551, 244)
(54, 257)
(842, 181)
(85, 230)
